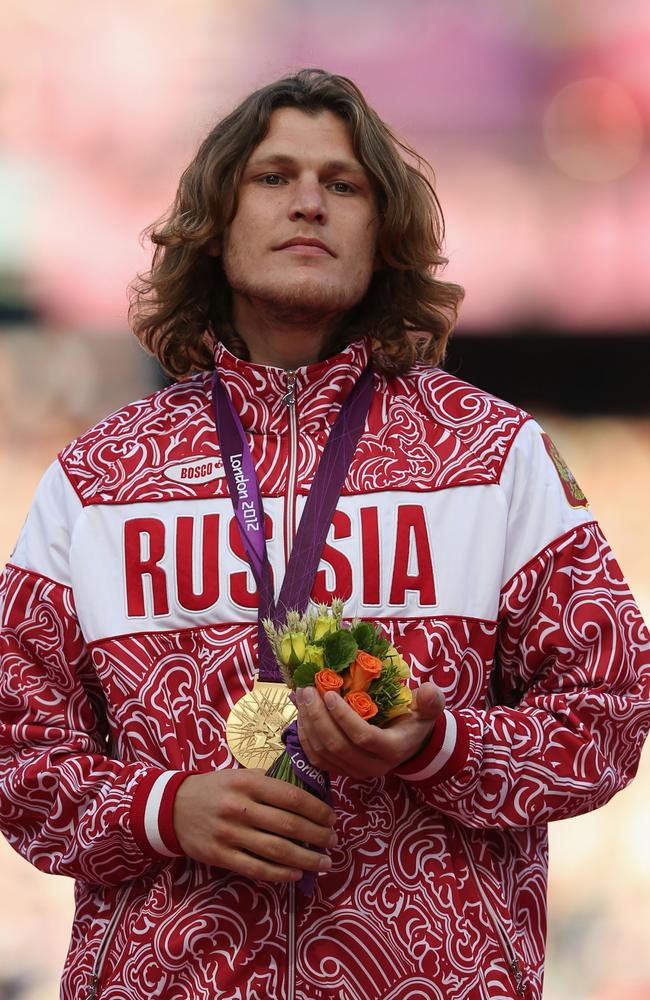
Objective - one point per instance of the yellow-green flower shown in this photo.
(402, 705)
(315, 655)
(292, 649)
(323, 625)
(397, 660)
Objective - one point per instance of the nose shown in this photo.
(308, 202)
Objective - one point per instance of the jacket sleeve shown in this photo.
(569, 708)
(67, 804)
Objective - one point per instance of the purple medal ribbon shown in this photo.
(247, 504)
(308, 544)
(316, 517)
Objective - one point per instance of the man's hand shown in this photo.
(337, 740)
(247, 822)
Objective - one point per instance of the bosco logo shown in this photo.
(201, 470)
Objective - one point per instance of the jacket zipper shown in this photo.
(291, 942)
(289, 534)
(290, 509)
(109, 933)
(508, 948)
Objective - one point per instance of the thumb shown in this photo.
(429, 701)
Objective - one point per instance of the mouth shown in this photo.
(306, 245)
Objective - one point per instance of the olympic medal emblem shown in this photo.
(256, 723)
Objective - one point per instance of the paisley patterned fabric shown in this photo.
(129, 632)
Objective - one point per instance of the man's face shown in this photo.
(302, 181)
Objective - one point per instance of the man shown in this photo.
(302, 246)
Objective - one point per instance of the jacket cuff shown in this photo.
(445, 753)
(152, 811)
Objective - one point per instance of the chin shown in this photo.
(310, 297)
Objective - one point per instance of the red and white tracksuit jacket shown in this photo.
(129, 632)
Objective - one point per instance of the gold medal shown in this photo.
(256, 722)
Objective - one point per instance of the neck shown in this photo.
(283, 341)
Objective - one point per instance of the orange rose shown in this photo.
(362, 704)
(363, 670)
(328, 680)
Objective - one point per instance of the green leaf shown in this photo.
(303, 676)
(371, 639)
(380, 648)
(365, 636)
(340, 649)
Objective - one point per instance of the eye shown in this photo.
(270, 180)
(342, 184)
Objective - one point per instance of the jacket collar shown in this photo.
(259, 392)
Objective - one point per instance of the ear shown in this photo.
(213, 248)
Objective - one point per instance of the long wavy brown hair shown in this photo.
(182, 305)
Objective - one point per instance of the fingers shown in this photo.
(288, 825)
(279, 852)
(282, 795)
(336, 739)
(332, 724)
(337, 755)
(269, 841)
(365, 737)
(255, 868)
(255, 865)
(257, 826)
(429, 701)
(247, 822)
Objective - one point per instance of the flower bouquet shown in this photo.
(357, 661)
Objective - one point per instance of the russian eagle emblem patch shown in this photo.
(572, 491)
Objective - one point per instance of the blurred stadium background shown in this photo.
(535, 118)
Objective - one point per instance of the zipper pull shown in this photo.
(519, 977)
(94, 983)
(290, 397)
